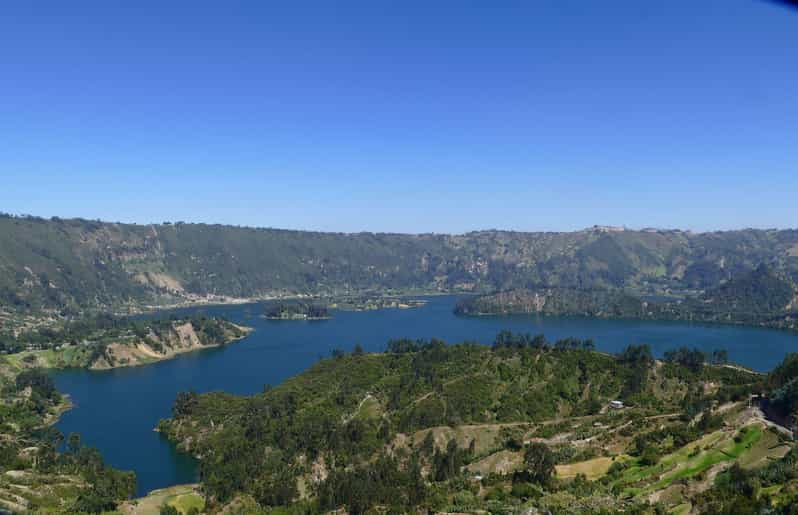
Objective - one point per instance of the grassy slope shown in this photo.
(715, 448)
(182, 497)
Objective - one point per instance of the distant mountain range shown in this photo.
(760, 297)
(77, 264)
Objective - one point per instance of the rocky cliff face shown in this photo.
(182, 337)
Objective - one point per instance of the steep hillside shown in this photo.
(38, 473)
(554, 302)
(760, 291)
(74, 264)
(465, 428)
(758, 297)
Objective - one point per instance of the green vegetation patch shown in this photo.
(187, 502)
(429, 424)
(685, 463)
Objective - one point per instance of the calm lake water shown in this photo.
(116, 410)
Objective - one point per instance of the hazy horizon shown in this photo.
(607, 227)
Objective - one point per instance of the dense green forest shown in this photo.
(459, 428)
(759, 297)
(74, 264)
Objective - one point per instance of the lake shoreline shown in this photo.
(20, 359)
(721, 323)
(257, 299)
(133, 401)
(173, 353)
(67, 404)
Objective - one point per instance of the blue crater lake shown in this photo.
(116, 410)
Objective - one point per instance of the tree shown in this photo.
(168, 509)
(185, 404)
(276, 489)
(539, 341)
(692, 359)
(638, 359)
(47, 457)
(637, 356)
(447, 464)
(385, 431)
(720, 356)
(38, 381)
(428, 445)
(73, 443)
(538, 463)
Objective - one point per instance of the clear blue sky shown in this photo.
(402, 116)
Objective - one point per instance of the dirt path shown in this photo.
(347, 418)
(447, 383)
(742, 369)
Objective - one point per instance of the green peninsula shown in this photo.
(109, 342)
(527, 425)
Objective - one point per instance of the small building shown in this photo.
(616, 404)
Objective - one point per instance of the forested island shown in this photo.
(296, 310)
(528, 424)
(373, 302)
(762, 297)
(110, 342)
